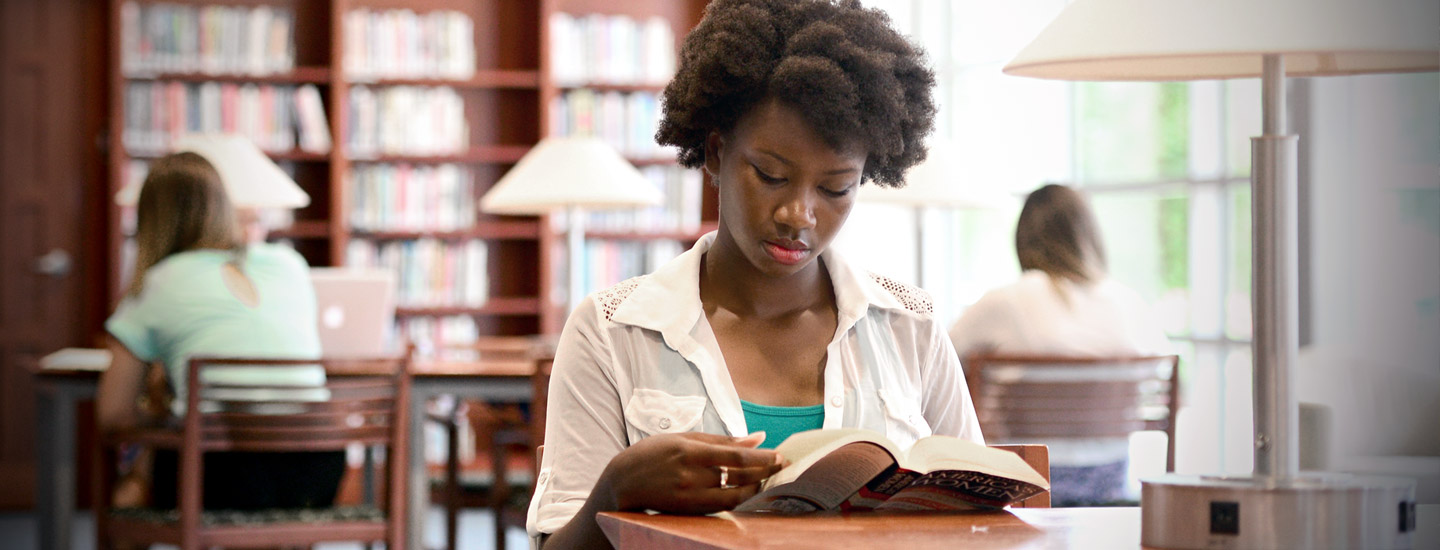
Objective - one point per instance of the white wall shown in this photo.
(1374, 161)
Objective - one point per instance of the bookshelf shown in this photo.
(490, 63)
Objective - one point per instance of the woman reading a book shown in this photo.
(664, 385)
(199, 289)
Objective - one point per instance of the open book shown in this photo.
(854, 469)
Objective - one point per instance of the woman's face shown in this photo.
(784, 192)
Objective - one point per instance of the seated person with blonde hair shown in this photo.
(1064, 305)
(199, 289)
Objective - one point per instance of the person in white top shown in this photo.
(788, 106)
(1065, 305)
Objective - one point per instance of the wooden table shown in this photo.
(59, 392)
(494, 381)
(1021, 528)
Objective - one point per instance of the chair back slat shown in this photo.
(217, 410)
(1032, 398)
(355, 403)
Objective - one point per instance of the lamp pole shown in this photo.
(1275, 256)
(575, 247)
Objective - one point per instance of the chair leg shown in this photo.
(452, 486)
(103, 470)
(500, 489)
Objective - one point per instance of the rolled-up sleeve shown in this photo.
(585, 426)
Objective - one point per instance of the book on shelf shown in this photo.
(626, 120)
(403, 44)
(610, 49)
(406, 120)
(163, 37)
(443, 336)
(854, 470)
(609, 262)
(404, 197)
(159, 113)
(314, 132)
(429, 272)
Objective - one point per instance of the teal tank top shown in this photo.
(779, 423)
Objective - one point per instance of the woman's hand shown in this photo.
(681, 473)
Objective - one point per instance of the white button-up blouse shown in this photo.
(640, 359)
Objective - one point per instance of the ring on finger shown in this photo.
(725, 478)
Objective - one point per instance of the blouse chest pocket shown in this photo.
(904, 423)
(652, 412)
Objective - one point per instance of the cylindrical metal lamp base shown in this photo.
(1313, 510)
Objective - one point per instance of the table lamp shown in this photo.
(573, 174)
(251, 179)
(937, 181)
(1154, 40)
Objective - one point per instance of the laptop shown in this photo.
(355, 309)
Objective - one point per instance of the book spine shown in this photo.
(610, 49)
(431, 273)
(403, 44)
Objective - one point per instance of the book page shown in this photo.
(959, 490)
(805, 448)
(826, 484)
(936, 453)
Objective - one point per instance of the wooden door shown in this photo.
(52, 256)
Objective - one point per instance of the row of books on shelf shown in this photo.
(404, 44)
(275, 117)
(682, 191)
(441, 335)
(212, 39)
(402, 197)
(609, 262)
(627, 121)
(406, 120)
(610, 49)
(429, 272)
(441, 197)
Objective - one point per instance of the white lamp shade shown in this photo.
(569, 171)
(939, 182)
(251, 179)
(1147, 40)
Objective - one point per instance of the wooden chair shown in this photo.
(1038, 457)
(1035, 398)
(367, 400)
(503, 432)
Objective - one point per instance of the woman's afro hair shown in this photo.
(850, 75)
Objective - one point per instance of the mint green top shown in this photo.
(779, 423)
(185, 309)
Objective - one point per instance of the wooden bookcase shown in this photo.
(506, 113)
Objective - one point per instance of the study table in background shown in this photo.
(60, 390)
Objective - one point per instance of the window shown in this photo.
(1166, 166)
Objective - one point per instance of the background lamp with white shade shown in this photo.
(939, 181)
(258, 189)
(1154, 40)
(574, 174)
(251, 179)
